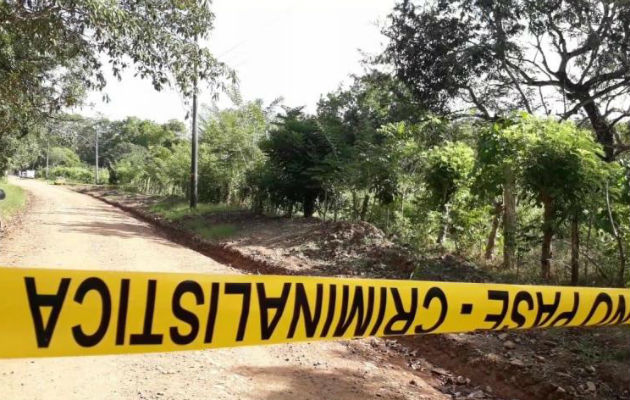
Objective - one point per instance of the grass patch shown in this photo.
(211, 232)
(175, 209)
(15, 200)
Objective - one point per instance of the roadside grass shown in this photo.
(211, 232)
(174, 209)
(15, 200)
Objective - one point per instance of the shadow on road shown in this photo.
(121, 230)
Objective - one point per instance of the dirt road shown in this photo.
(70, 230)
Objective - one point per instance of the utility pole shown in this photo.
(47, 152)
(194, 195)
(96, 156)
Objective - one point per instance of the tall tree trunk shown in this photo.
(498, 208)
(575, 248)
(364, 207)
(603, 130)
(545, 254)
(617, 235)
(509, 219)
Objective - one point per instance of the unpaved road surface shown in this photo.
(66, 229)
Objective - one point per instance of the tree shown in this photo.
(500, 153)
(448, 168)
(52, 51)
(561, 171)
(232, 137)
(553, 57)
(365, 155)
(63, 156)
(296, 153)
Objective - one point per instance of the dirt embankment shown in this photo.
(546, 364)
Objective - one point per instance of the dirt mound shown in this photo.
(314, 247)
(353, 232)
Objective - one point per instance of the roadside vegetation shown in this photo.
(14, 202)
(530, 198)
(464, 137)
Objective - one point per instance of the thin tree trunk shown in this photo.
(364, 207)
(47, 156)
(498, 208)
(371, 209)
(546, 254)
(355, 207)
(444, 229)
(402, 206)
(575, 249)
(509, 219)
(588, 245)
(620, 249)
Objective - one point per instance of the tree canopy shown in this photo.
(570, 59)
(51, 52)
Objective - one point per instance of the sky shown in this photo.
(294, 49)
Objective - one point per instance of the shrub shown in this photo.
(76, 174)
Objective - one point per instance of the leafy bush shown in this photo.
(80, 174)
(63, 156)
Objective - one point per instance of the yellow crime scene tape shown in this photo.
(49, 312)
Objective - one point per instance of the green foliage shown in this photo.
(448, 168)
(563, 164)
(370, 153)
(78, 174)
(14, 201)
(229, 150)
(194, 219)
(211, 231)
(500, 56)
(296, 151)
(501, 149)
(63, 156)
(51, 52)
(174, 208)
